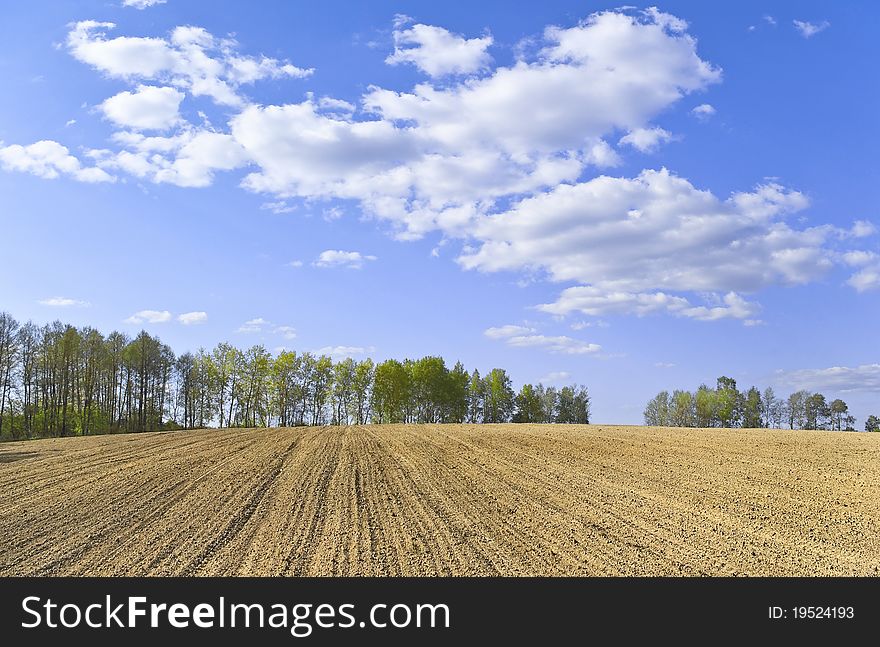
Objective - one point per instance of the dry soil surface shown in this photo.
(443, 500)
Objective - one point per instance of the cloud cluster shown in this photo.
(808, 29)
(438, 52)
(502, 159)
(525, 337)
(837, 379)
(148, 108)
(340, 258)
(48, 159)
(190, 59)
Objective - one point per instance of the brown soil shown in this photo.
(443, 500)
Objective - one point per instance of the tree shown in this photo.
(751, 409)
(529, 405)
(657, 410)
(839, 411)
(476, 398)
(455, 402)
(817, 413)
(549, 402)
(391, 392)
(728, 407)
(705, 406)
(795, 409)
(771, 409)
(681, 409)
(498, 396)
(872, 424)
(8, 361)
(363, 380)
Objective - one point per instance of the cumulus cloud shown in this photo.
(632, 244)
(862, 229)
(148, 108)
(522, 337)
(837, 379)
(189, 158)
(192, 318)
(190, 59)
(63, 302)
(501, 161)
(437, 157)
(502, 332)
(703, 111)
(646, 139)
(340, 258)
(866, 279)
(438, 52)
(808, 29)
(149, 316)
(48, 159)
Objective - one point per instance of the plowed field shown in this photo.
(443, 500)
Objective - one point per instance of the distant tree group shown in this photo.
(726, 406)
(58, 380)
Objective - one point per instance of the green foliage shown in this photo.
(872, 424)
(725, 406)
(529, 405)
(60, 380)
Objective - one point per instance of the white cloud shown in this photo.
(555, 377)
(837, 379)
(632, 243)
(858, 258)
(253, 325)
(148, 108)
(192, 318)
(278, 207)
(502, 332)
(866, 279)
(49, 159)
(288, 332)
(703, 111)
(770, 20)
(191, 59)
(808, 29)
(149, 316)
(521, 337)
(664, 365)
(438, 52)
(63, 302)
(437, 157)
(296, 263)
(142, 4)
(189, 158)
(339, 258)
(69, 123)
(581, 325)
(646, 139)
(341, 352)
(594, 301)
(862, 229)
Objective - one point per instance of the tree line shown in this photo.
(726, 406)
(60, 380)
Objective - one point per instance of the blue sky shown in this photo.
(631, 199)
